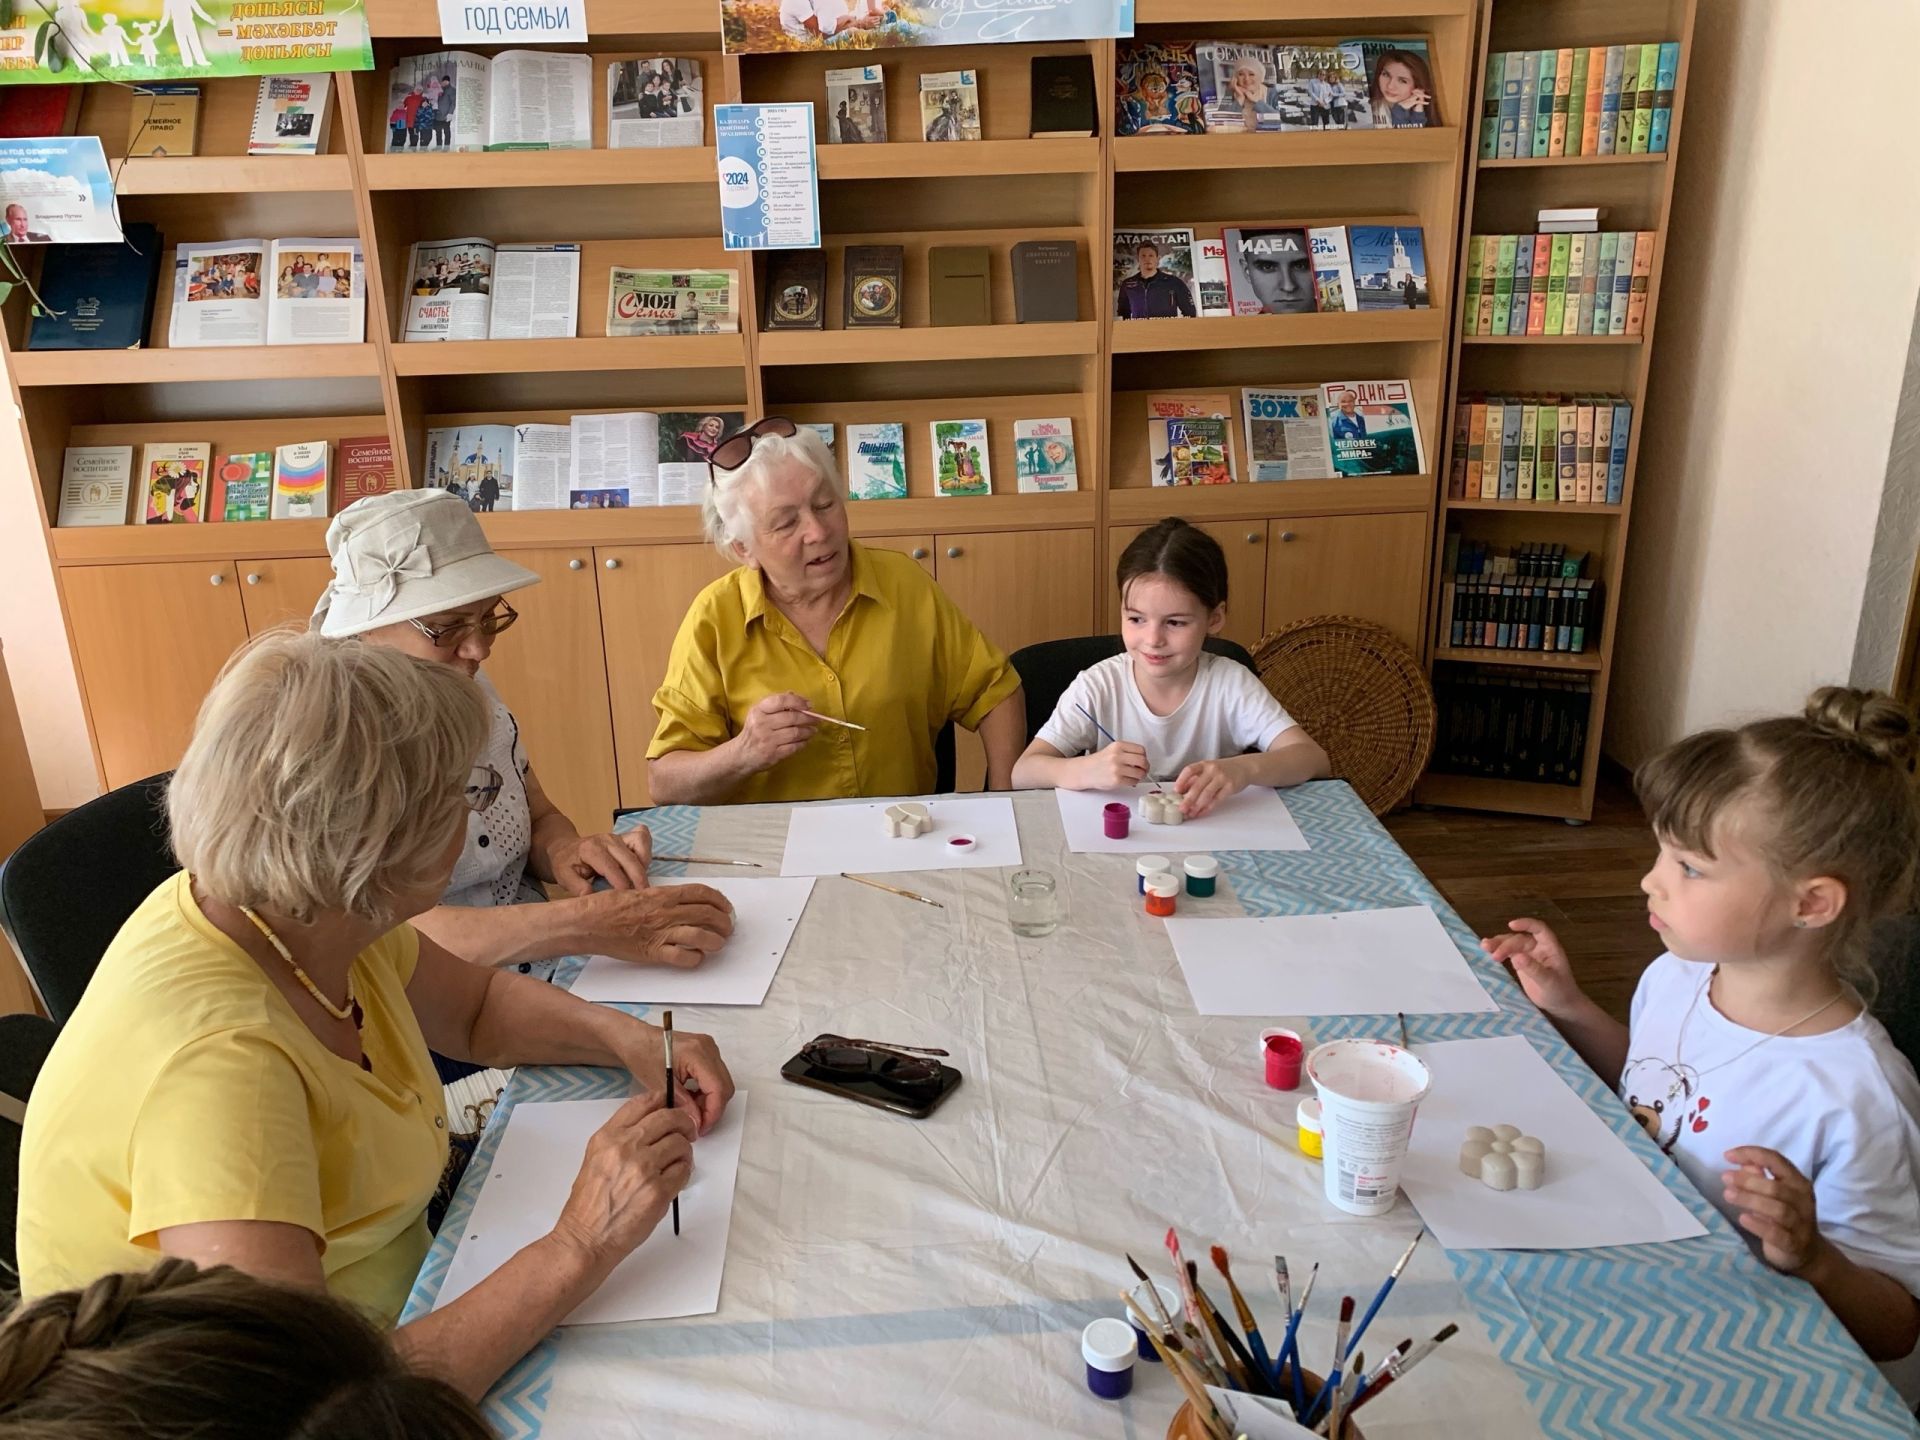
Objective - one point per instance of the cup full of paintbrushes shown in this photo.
(1186, 1425)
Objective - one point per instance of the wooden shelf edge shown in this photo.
(171, 365)
(1550, 161)
(592, 352)
(926, 342)
(1587, 661)
(962, 160)
(1550, 339)
(1259, 332)
(147, 544)
(513, 169)
(1247, 500)
(1438, 145)
(233, 174)
(1271, 12)
(1509, 797)
(1535, 507)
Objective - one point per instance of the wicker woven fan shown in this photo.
(1359, 691)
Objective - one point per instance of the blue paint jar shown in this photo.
(1108, 1348)
(1149, 865)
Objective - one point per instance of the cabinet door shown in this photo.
(148, 641)
(920, 547)
(552, 672)
(1245, 544)
(1019, 587)
(1366, 565)
(644, 593)
(276, 592)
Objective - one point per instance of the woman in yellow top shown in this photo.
(246, 1080)
(815, 621)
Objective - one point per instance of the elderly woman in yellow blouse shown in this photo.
(814, 621)
(246, 1080)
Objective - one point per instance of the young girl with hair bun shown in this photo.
(1752, 1057)
(1176, 712)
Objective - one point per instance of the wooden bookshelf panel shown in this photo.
(914, 262)
(1141, 504)
(974, 158)
(1212, 14)
(1269, 332)
(529, 397)
(523, 357)
(1436, 145)
(1311, 195)
(1567, 365)
(1587, 22)
(786, 386)
(225, 123)
(1510, 200)
(959, 203)
(197, 219)
(688, 215)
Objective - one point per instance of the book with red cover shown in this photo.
(366, 468)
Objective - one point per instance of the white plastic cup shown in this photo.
(1368, 1091)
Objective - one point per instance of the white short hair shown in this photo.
(325, 775)
(724, 508)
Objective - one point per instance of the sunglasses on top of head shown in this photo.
(734, 451)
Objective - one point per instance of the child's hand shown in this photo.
(1539, 964)
(1204, 784)
(1776, 1206)
(1120, 765)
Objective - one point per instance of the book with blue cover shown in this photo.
(98, 297)
(1389, 266)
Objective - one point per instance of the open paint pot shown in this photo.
(1185, 1426)
(1114, 819)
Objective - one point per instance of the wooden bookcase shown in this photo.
(1503, 196)
(152, 613)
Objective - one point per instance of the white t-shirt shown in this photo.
(1843, 1107)
(1227, 712)
(794, 15)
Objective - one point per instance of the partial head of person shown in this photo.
(412, 570)
(1173, 594)
(179, 1353)
(1147, 256)
(1791, 833)
(329, 777)
(774, 502)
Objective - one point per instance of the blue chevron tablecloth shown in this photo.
(888, 1279)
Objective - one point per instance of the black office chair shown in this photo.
(66, 892)
(1048, 668)
(24, 1043)
(1894, 950)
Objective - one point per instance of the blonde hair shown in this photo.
(178, 1353)
(325, 776)
(1831, 791)
(724, 507)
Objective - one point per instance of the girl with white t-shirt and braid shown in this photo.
(1171, 711)
(1752, 1057)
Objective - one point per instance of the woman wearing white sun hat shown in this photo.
(412, 570)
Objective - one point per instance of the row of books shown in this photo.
(1284, 270)
(183, 483)
(472, 289)
(1181, 88)
(1549, 449)
(1536, 599)
(1591, 100)
(1046, 285)
(291, 116)
(1593, 284)
(1498, 725)
(454, 100)
(1061, 102)
(1300, 432)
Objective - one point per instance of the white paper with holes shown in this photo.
(825, 839)
(529, 1181)
(1255, 819)
(765, 913)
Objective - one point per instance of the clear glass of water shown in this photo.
(1033, 908)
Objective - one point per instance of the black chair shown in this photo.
(1048, 668)
(24, 1043)
(1894, 950)
(66, 892)
(945, 767)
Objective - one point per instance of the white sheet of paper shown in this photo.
(1255, 819)
(1255, 1417)
(824, 839)
(1596, 1191)
(532, 1173)
(739, 973)
(1358, 962)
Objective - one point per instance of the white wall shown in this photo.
(1786, 308)
(38, 660)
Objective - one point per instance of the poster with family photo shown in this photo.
(449, 293)
(217, 296)
(319, 292)
(655, 104)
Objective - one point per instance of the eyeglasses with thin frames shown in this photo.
(483, 788)
(452, 637)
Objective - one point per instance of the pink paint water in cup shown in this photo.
(1368, 1092)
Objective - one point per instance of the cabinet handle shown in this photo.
(919, 552)
(1286, 535)
(575, 564)
(253, 578)
(611, 563)
(1253, 537)
(217, 579)
(953, 552)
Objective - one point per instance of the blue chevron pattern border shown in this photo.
(1692, 1341)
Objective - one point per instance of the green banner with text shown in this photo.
(62, 41)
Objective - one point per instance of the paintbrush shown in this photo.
(1153, 1294)
(1290, 1347)
(1386, 1285)
(1112, 739)
(1201, 1375)
(1404, 1044)
(843, 724)
(1182, 1279)
(1332, 1385)
(1166, 1349)
(1400, 1365)
(892, 890)
(666, 1025)
(1239, 1363)
(1247, 1323)
(711, 860)
(1392, 1358)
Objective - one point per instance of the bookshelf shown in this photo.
(1502, 196)
(580, 668)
